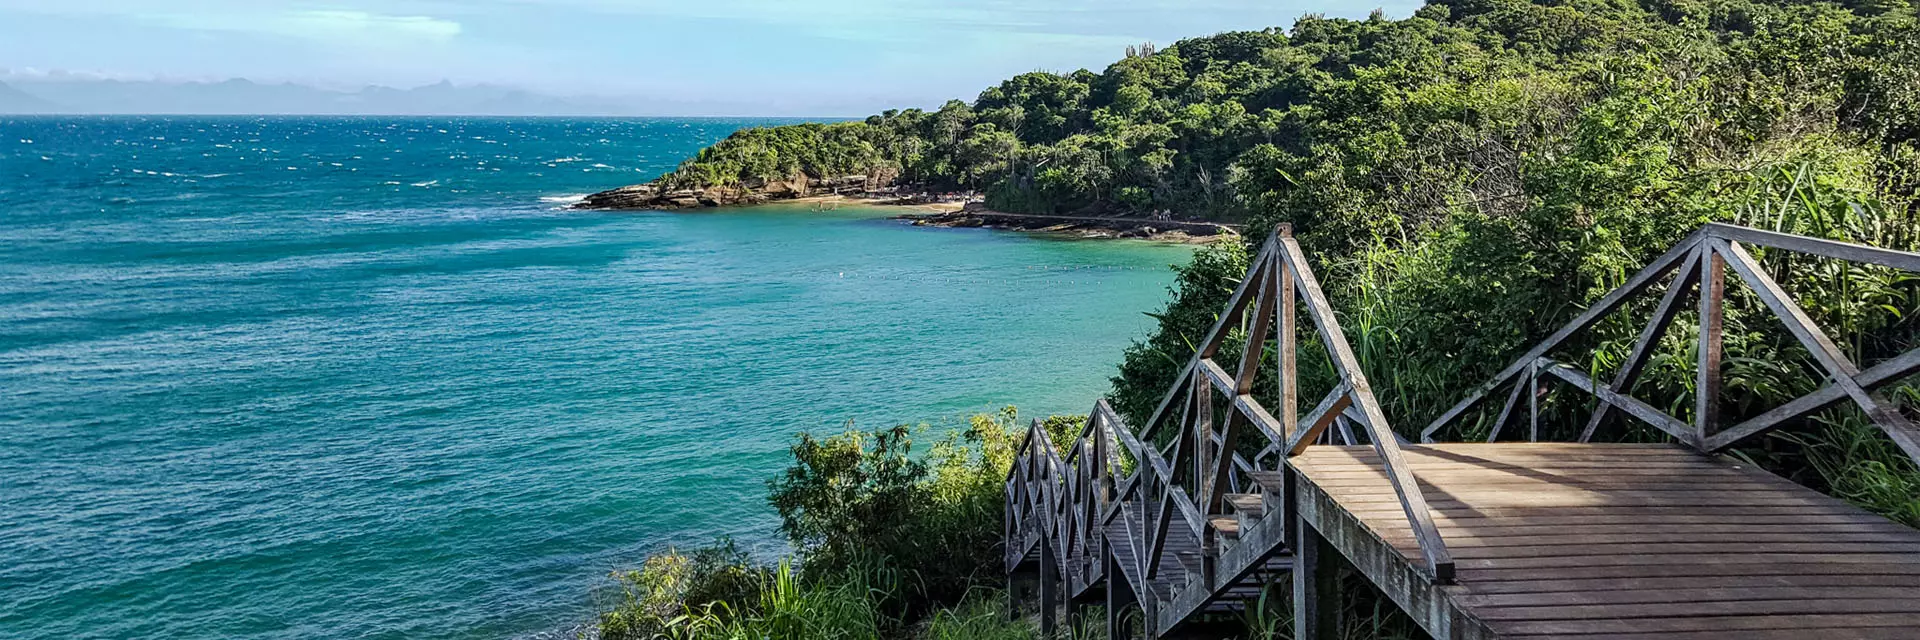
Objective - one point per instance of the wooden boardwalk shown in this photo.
(1617, 541)
(1217, 500)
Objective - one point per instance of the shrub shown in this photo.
(884, 539)
(862, 499)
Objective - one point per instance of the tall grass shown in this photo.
(981, 616)
(783, 608)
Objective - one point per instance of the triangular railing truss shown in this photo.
(1695, 271)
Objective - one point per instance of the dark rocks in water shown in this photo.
(631, 197)
(650, 195)
(1084, 226)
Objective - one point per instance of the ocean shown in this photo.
(368, 378)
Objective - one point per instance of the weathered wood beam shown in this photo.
(1156, 534)
(1217, 377)
(1201, 431)
(1644, 344)
(1121, 432)
(1412, 502)
(1322, 415)
(1345, 429)
(1049, 588)
(1212, 497)
(1710, 348)
(1115, 631)
(1316, 587)
(1506, 412)
(1258, 416)
(1633, 406)
(1196, 522)
(1286, 342)
(1848, 251)
(1840, 369)
(1600, 308)
(1257, 334)
(1533, 403)
(1874, 377)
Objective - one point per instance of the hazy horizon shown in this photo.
(752, 58)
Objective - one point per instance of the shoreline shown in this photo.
(1091, 227)
(920, 208)
(921, 212)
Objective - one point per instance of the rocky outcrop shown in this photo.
(653, 196)
(1087, 227)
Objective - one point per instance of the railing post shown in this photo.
(1049, 587)
(1316, 586)
(1289, 385)
(1202, 428)
(1115, 630)
(1713, 291)
(1533, 402)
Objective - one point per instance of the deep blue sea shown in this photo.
(362, 377)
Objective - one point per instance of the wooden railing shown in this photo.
(1208, 437)
(1697, 267)
(1184, 481)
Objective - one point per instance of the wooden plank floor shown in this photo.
(1618, 541)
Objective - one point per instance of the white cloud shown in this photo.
(359, 27)
(329, 24)
(363, 23)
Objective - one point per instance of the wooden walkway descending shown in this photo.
(1217, 501)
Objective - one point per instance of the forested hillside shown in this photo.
(1447, 109)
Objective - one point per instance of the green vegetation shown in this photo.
(1466, 180)
(890, 544)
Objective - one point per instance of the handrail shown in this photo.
(1701, 261)
(1191, 480)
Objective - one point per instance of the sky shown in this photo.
(808, 57)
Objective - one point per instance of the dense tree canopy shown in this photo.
(1360, 127)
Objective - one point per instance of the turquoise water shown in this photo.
(294, 378)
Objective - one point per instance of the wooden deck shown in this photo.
(1616, 541)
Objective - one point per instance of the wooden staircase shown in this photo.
(1186, 510)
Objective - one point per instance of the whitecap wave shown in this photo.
(565, 199)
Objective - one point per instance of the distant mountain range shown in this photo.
(239, 96)
(13, 100)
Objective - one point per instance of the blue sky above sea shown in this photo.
(712, 57)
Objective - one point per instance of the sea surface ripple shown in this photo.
(366, 378)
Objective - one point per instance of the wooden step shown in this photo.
(1228, 526)
(1191, 561)
(1272, 481)
(1253, 505)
